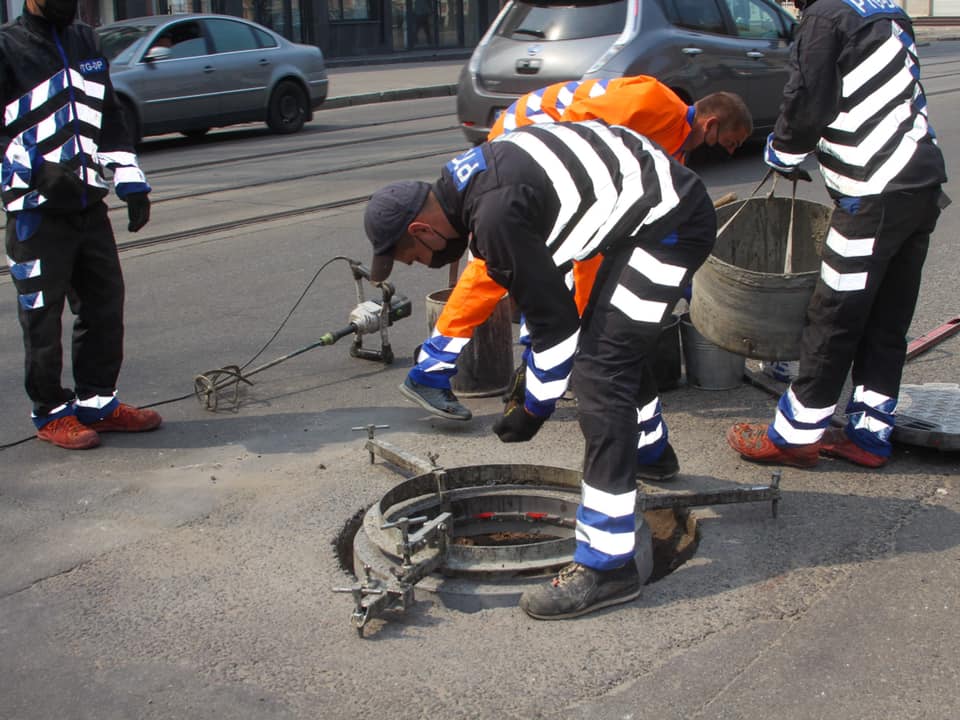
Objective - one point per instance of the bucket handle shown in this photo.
(788, 258)
(744, 204)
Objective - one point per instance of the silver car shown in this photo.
(189, 73)
(695, 46)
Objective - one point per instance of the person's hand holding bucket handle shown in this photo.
(785, 164)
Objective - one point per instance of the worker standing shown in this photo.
(62, 129)
(529, 204)
(854, 97)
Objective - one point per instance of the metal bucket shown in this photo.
(485, 366)
(709, 367)
(742, 299)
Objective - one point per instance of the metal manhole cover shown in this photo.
(929, 415)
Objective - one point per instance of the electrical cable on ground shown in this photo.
(273, 337)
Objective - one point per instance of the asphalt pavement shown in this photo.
(185, 573)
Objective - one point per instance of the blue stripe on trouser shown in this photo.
(653, 433)
(436, 361)
(605, 535)
(870, 421)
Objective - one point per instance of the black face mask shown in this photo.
(60, 13)
(451, 253)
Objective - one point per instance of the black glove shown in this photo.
(138, 210)
(517, 389)
(794, 174)
(517, 425)
(60, 185)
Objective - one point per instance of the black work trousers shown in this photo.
(636, 288)
(78, 261)
(863, 303)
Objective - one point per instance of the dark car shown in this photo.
(189, 73)
(695, 46)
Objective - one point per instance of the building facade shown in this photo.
(353, 28)
(341, 28)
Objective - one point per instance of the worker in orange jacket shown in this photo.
(641, 103)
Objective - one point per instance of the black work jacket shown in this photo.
(60, 108)
(854, 96)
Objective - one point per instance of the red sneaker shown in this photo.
(126, 418)
(835, 443)
(753, 444)
(68, 432)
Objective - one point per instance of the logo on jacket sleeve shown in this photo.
(89, 67)
(465, 166)
(867, 8)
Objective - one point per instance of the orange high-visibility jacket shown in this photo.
(641, 103)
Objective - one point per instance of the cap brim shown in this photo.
(380, 267)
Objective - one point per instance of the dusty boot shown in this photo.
(753, 444)
(126, 418)
(663, 470)
(68, 432)
(579, 589)
(836, 443)
(438, 401)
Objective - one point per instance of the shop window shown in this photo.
(341, 10)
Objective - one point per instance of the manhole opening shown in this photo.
(675, 536)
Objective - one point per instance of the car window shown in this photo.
(703, 15)
(754, 19)
(231, 36)
(114, 40)
(185, 39)
(537, 21)
(264, 39)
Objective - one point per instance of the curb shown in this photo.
(389, 96)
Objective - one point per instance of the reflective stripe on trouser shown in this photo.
(78, 262)
(636, 289)
(471, 302)
(858, 319)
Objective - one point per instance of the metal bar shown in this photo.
(758, 493)
(660, 501)
(399, 457)
(928, 340)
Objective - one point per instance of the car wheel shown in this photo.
(195, 133)
(288, 108)
(129, 114)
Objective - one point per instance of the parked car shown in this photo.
(694, 46)
(189, 73)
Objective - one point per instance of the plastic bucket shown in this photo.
(709, 367)
(485, 366)
(742, 299)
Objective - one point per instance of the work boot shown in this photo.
(126, 418)
(663, 470)
(753, 444)
(437, 401)
(579, 589)
(68, 432)
(836, 443)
